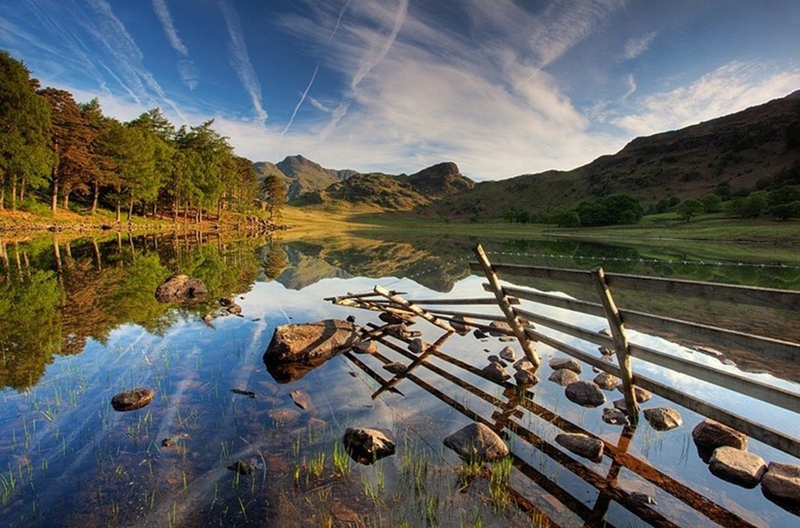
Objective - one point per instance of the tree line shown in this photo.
(55, 151)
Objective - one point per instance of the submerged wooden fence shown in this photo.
(529, 326)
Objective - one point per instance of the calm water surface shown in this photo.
(79, 323)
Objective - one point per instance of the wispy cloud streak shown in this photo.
(637, 46)
(162, 12)
(241, 60)
(373, 56)
(302, 98)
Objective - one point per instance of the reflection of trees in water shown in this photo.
(54, 296)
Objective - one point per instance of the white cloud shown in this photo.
(728, 89)
(241, 60)
(162, 12)
(631, 87)
(636, 46)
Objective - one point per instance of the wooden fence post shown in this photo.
(620, 342)
(508, 310)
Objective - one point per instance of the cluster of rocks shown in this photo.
(725, 451)
(227, 307)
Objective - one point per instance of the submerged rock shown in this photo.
(585, 393)
(395, 367)
(366, 445)
(615, 416)
(663, 418)
(524, 364)
(417, 346)
(132, 399)
(495, 372)
(606, 381)
(737, 466)
(508, 354)
(525, 378)
(499, 328)
(181, 288)
(582, 445)
(301, 399)
(477, 442)
(461, 324)
(563, 377)
(245, 466)
(641, 395)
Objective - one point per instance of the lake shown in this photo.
(224, 443)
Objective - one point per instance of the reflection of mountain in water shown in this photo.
(305, 270)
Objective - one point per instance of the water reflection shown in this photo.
(79, 322)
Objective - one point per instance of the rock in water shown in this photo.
(782, 481)
(606, 381)
(585, 393)
(417, 346)
(365, 347)
(132, 399)
(301, 399)
(565, 363)
(615, 416)
(310, 343)
(737, 466)
(476, 442)
(663, 418)
(495, 372)
(365, 445)
(508, 354)
(583, 445)
(563, 377)
(181, 288)
(710, 434)
(525, 378)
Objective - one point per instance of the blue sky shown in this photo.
(500, 87)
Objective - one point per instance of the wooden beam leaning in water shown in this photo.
(506, 308)
(620, 343)
(444, 325)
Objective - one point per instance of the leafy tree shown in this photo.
(712, 203)
(689, 208)
(273, 192)
(752, 206)
(25, 155)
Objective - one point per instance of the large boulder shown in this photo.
(365, 445)
(476, 442)
(310, 344)
(181, 288)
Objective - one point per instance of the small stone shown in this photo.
(639, 393)
(582, 445)
(643, 498)
(167, 442)
(565, 363)
(477, 442)
(461, 324)
(563, 377)
(391, 318)
(244, 466)
(301, 399)
(621, 405)
(782, 481)
(499, 328)
(525, 378)
(395, 367)
(495, 372)
(663, 418)
(234, 309)
(366, 445)
(284, 416)
(605, 351)
(506, 339)
(737, 466)
(508, 354)
(417, 346)
(132, 399)
(226, 301)
(710, 434)
(585, 393)
(524, 364)
(479, 334)
(606, 381)
(496, 359)
(615, 416)
(365, 347)
(351, 319)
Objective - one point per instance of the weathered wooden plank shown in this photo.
(620, 343)
(445, 302)
(566, 275)
(511, 317)
(413, 308)
(557, 301)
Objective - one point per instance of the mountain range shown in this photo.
(743, 151)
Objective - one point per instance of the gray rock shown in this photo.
(366, 445)
(737, 466)
(615, 416)
(565, 363)
(639, 393)
(181, 288)
(563, 377)
(782, 481)
(582, 445)
(395, 367)
(606, 381)
(710, 434)
(525, 378)
(476, 442)
(417, 345)
(132, 399)
(365, 347)
(479, 334)
(585, 393)
(508, 354)
(663, 418)
(312, 343)
(495, 372)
